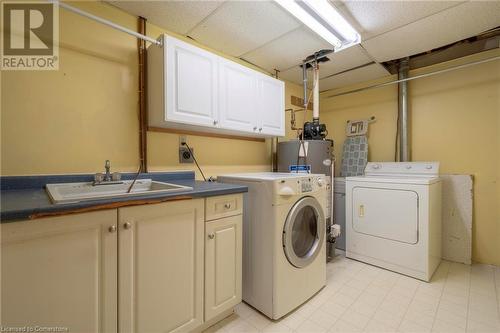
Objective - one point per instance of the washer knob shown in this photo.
(320, 182)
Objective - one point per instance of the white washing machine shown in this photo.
(393, 217)
(284, 230)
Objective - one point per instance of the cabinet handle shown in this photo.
(112, 228)
(255, 128)
(211, 236)
(127, 225)
(215, 122)
(260, 129)
(227, 206)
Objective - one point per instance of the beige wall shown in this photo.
(71, 120)
(455, 119)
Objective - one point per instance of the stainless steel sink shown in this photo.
(77, 192)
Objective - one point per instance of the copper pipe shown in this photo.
(143, 121)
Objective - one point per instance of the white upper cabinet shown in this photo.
(193, 89)
(271, 97)
(237, 96)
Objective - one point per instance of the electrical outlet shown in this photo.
(185, 155)
(182, 140)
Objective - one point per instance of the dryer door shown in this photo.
(386, 213)
(304, 232)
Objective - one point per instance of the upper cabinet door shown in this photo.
(191, 84)
(237, 97)
(271, 98)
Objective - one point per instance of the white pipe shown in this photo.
(304, 84)
(416, 76)
(106, 22)
(316, 92)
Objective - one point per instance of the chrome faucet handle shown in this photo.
(107, 166)
(98, 177)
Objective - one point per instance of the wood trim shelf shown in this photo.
(199, 133)
(112, 205)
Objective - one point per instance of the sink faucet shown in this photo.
(107, 166)
(107, 178)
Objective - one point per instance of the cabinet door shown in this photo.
(223, 253)
(161, 267)
(237, 97)
(61, 271)
(271, 97)
(191, 84)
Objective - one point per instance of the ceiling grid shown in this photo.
(264, 34)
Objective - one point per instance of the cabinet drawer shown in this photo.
(223, 206)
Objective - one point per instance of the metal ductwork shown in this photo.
(404, 143)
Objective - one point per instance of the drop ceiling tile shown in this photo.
(372, 18)
(366, 73)
(238, 27)
(176, 16)
(343, 60)
(288, 50)
(293, 74)
(443, 28)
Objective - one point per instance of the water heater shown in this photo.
(312, 156)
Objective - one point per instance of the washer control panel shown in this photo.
(312, 184)
(306, 185)
(301, 185)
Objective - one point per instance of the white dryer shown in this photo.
(284, 231)
(393, 217)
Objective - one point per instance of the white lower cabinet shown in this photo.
(149, 268)
(161, 267)
(223, 254)
(61, 272)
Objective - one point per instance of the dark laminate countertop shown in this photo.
(25, 197)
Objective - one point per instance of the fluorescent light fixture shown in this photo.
(322, 18)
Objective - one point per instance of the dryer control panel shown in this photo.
(402, 169)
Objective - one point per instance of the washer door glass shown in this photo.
(304, 232)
